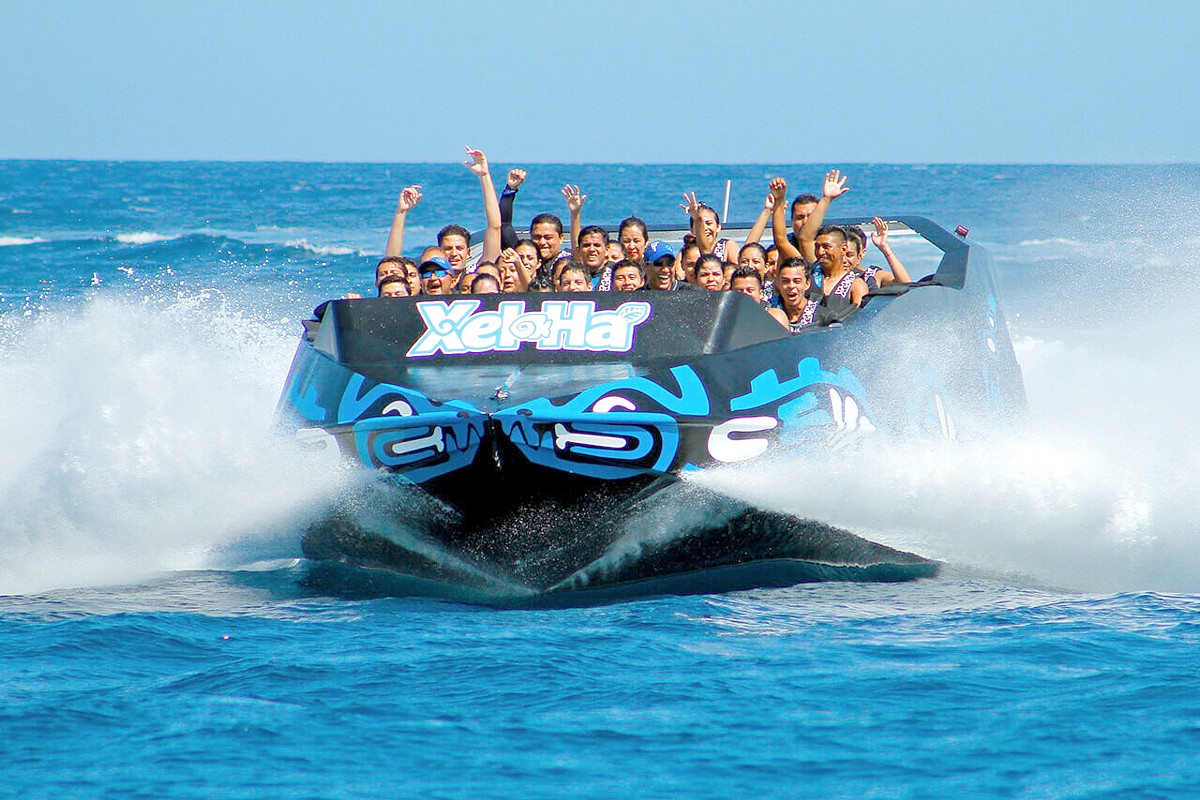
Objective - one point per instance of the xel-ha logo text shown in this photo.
(458, 326)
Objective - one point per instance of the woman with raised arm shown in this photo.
(409, 197)
(515, 275)
(491, 205)
(706, 226)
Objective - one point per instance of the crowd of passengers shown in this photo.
(810, 275)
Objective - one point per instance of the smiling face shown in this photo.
(830, 250)
(548, 240)
(615, 252)
(662, 273)
(708, 218)
(627, 278)
(791, 285)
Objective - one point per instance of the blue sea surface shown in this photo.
(161, 637)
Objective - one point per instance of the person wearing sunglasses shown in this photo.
(436, 275)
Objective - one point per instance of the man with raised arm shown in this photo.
(857, 250)
(409, 197)
(491, 209)
(508, 233)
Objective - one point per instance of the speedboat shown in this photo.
(542, 444)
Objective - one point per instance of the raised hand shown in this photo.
(574, 198)
(778, 188)
(769, 203)
(690, 205)
(879, 237)
(509, 257)
(478, 163)
(835, 185)
(516, 176)
(409, 197)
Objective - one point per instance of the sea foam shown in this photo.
(143, 237)
(138, 438)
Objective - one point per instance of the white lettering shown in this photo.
(458, 326)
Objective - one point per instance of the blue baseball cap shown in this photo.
(656, 250)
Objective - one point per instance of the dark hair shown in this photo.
(526, 242)
(745, 272)
(708, 258)
(484, 277)
(804, 198)
(592, 230)
(400, 260)
(836, 231)
(797, 262)
(634, 222)
(629, 262)
(575, 266)
(553, 220)
(454, 230)
(392, 279)
(755, 245)
(704, 207)
(856, 233)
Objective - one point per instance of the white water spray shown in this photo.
(137, 438)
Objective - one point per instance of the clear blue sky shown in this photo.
(703, 81)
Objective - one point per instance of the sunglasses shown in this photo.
(440, 271)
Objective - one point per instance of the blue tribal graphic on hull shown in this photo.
(616, 430)
(819, 399)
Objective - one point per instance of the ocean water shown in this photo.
(160, 636)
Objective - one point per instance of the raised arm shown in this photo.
(879, 239)
(574, 200)
(834, 187)
(704, 240)
(760, 225)
(409, 197)
(491, 205)
(778, 223)
(508, 234)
